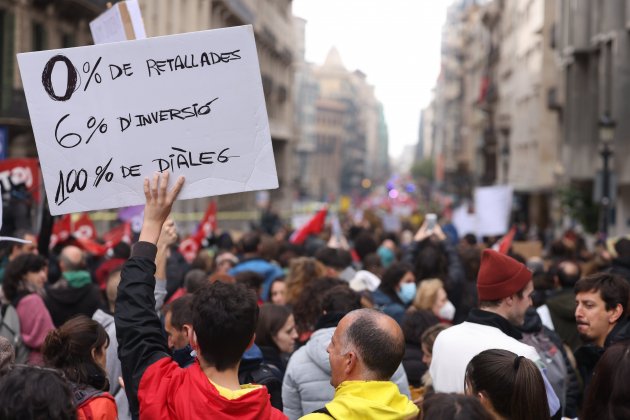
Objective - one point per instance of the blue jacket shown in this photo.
(258, 265)
(388, 305)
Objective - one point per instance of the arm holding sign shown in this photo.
(138, 328)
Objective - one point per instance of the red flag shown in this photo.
(209, 222)
(313, 226)
(60, 231)
(92, 246)
(83, 227)
(120, 233)
(506, 241)
(190, 246)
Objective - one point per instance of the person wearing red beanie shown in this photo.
(504, 286)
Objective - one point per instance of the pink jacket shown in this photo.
(35, 324)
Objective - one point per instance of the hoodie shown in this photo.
(306, 386)
(156, 387)
(266, 269)
(64, 301)
(355, 400)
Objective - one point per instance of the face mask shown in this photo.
(447, 311)
(407, 292)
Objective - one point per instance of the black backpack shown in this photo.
(267, 375)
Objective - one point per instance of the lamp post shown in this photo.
(606, 137)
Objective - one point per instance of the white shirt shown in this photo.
(455, 347)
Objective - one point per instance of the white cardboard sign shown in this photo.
(492, 208)
(121, 22)
(107, 116)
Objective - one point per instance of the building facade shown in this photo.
(594, 45)
(34, 25)
(342, 133)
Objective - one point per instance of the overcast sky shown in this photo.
(395, 42)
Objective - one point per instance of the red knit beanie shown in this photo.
(500, 276)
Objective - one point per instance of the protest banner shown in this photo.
(20, 172)
(107, 116)
(493, 207)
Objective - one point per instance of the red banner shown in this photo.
(14, 172)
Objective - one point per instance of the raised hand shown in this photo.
(159, 203)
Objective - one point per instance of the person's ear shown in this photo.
(187, 329)
(350, 363)
(193, 341)
(615, 314)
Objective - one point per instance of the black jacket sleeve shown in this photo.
(138, 328)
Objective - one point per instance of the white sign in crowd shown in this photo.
(107, 116)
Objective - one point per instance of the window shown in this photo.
(39, 37)
(6, 58)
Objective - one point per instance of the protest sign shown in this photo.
(107, 116)
(121, 22)
(493, 206)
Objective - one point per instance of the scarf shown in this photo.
(77, 279)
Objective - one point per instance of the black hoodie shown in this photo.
(65, 302)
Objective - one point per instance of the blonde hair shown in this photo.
(427, 294)
(302, 271)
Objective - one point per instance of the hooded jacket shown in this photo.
(157, 388)
(358, 400)
(263, 267)
(306, 386)
(64, 301)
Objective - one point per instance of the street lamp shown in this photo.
(606, 137)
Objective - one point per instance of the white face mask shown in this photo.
(447, 311)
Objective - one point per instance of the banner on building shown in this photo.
(107, 116)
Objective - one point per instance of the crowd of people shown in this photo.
(381, 325)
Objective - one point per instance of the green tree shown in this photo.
(423, 170)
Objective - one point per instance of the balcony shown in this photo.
(74, 9)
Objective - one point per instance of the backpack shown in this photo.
(267, 375)
(555, 368)
(10, 329)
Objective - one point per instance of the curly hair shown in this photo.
(302, 271)
(17, 268)
(308, 308)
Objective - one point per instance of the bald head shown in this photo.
(568, 274)
(377, 339)
(71, 259)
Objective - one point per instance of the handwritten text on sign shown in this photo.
(106, 116)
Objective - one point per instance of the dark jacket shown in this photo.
(588, 355)
(455, 277)
(621, 267)
(412, 362)
(64, 302)
(562, 310)
(157, 388)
